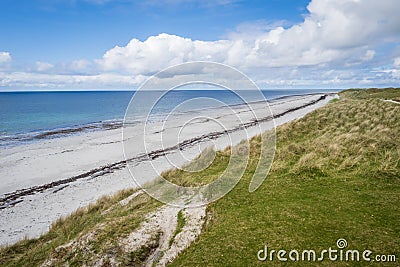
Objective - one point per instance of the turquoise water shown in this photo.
(28, 115)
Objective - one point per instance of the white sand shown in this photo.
(42, 162)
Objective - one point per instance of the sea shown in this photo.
(33, 116)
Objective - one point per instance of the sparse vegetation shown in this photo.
(85, 236)
(209, 174)
(180, 224)
(336, 174)
(139, 257)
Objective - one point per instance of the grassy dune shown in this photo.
(336, 174)
(96, 229)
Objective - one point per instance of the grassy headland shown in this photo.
(336, 174)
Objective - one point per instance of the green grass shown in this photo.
(335, 174)
(387, 93)
(180, 224)
(139, 257)
(209, 174)
(97, 227)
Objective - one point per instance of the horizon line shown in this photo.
(150, 90)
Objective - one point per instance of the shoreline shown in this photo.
(25, 138)
(106, 177)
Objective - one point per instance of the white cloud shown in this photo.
(56, 81)
(394, 73)
(5, 57)
(335, 31)
(160, 51)
(396, 63)
(80, 66)
(369, 54)
(43, 66)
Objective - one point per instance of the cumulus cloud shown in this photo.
(341, 31)
(160, 51)
(5, 57)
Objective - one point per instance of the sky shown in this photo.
(118, 44)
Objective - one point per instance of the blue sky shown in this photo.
(57, 30)
(86, 44)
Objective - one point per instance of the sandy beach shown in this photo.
(46, 179)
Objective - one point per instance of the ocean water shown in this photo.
(29, 116)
